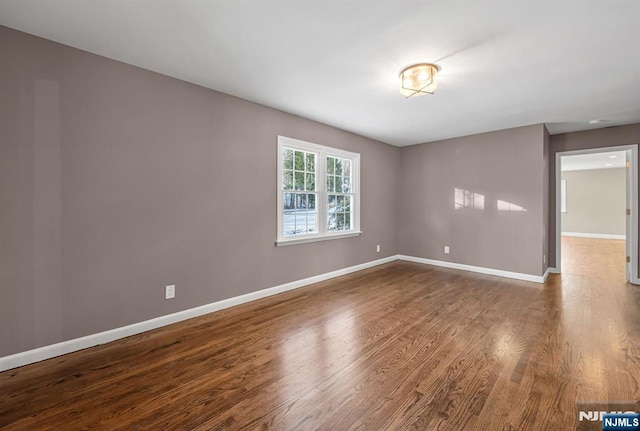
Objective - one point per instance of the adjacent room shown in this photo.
(278, 215)
(593, 206)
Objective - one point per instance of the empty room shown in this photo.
(337, 215)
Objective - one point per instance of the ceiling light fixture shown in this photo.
(418, 79)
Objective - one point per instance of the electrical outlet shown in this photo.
(170, 292)
(446, 249)
(378, 248)
(544, 258)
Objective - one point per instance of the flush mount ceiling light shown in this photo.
(418, 79)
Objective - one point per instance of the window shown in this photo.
(318, 192)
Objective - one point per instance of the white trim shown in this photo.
(295, 240)
(553, 270)
(64, 347)
(594, 235)
(479, 269)
(546, 274)
(631, 237)
(558, 238)
(69, 346)
(321, 152)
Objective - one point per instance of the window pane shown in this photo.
(287, 181)
(299, 180)
(301, 222)
(338, 184)
(346, 185)
(346, 168)
(301, 201)
(311, 162)
(288, 201)
(288, 159)
(338, 166)
(289, 223)
(312, 222)
(311, 201)
(311, 182)
(299, 161)
(336, 222)
(288, 220)
(330, 163)
(339, 212)
(331, 202)
(299, 215)
(330, 183)
(332, 222)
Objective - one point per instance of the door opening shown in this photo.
(597, 205)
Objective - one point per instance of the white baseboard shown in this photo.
(594, 235)
(479, 269)
(553, 270)
(64, 347)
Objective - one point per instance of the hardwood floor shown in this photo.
(594, 257)
(397, 347)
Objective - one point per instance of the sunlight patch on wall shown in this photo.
(466, 198)
(509, 206)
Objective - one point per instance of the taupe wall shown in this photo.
(116, 181)
(507, 166)
(599, 138)
(596, 201)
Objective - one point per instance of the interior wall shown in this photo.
(116, 181)
(482, 195)
(587, 139)
(596, 201)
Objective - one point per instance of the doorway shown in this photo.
(597, 212)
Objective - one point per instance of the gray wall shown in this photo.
(116, 181)
(588, 139)
(506, 165)
(596, 201)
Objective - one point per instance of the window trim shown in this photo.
(321, 189)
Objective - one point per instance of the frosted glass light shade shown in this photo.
(418, 79)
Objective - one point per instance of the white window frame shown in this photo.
(321, 189)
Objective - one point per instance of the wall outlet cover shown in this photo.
(170, 292)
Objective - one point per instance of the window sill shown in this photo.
(293, 241)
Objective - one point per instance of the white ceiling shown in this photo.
(612, 159)
(505, 63)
